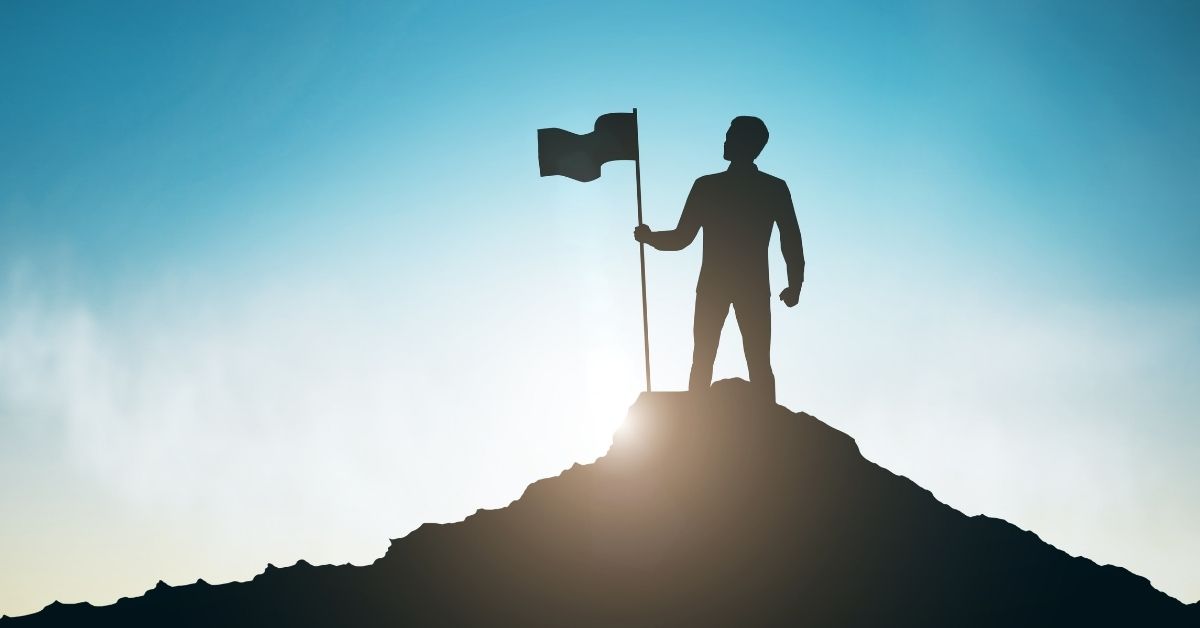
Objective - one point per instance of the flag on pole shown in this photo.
(613, 138)
(579, 157)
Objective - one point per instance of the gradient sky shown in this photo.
(282, 282)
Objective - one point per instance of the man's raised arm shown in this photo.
(793, 247)
(682, 235)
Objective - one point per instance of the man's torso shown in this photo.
(738, 208)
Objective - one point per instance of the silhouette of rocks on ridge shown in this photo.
(713, 511)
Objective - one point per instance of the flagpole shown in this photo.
(637, 170)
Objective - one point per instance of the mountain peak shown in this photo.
(709, 509)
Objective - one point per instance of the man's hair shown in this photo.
(754, 130)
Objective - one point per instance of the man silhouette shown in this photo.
(737, 210)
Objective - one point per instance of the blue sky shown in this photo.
(294, 261)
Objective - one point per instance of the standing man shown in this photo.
(737, 210)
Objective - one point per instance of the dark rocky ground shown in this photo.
(714, 511)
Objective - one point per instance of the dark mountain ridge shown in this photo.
(709, 510)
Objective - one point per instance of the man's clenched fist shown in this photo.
(641, 232)
(790, 295)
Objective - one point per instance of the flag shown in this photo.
(579, 157)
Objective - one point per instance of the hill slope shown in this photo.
(713, 511)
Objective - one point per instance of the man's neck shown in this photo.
(742, 165)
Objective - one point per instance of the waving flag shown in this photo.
(614, 138)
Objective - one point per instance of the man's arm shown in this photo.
(683, 234)
(793, 247)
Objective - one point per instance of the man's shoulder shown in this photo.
(759, 176)
(770, 179)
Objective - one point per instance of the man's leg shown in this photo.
(754, 319)
(706, 334)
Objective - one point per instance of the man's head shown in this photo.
(745, 139)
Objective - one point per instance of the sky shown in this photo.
(280, 280)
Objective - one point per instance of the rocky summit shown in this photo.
(708, 510)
